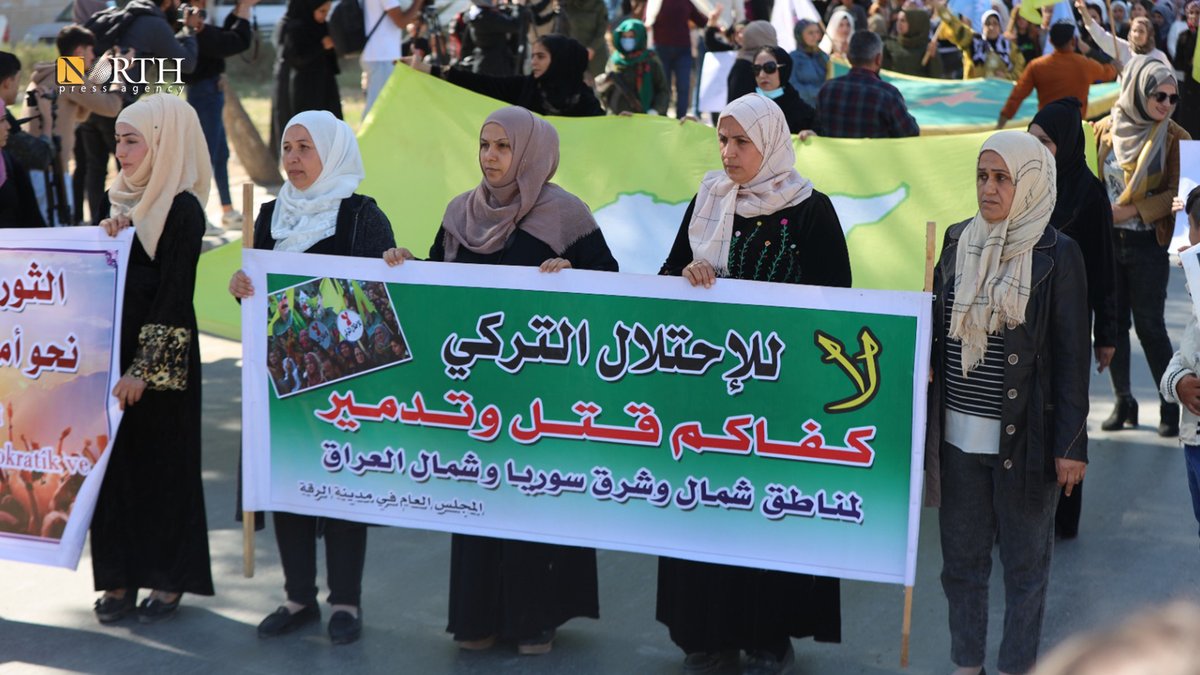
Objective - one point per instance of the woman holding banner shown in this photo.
(1009, 399)
(1138, 159)
(1083, 213)
(757, 219)
(503, 589)
(317, 211)
(149, 529)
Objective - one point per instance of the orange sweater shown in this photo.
(1057, 75)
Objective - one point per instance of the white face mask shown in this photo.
(627, 44)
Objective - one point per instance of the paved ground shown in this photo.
(1138, 545)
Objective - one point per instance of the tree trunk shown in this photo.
(258, 161)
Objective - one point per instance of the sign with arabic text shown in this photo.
(764, 425)
(61, 293)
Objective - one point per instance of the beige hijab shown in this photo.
(994, 261)
(176, 161)
(775, 187)
(484, 218)
(1138, 140)
(755, 36)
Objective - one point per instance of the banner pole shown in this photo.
(906, 629)
(930, 242)
(906, 625)
(247, 516)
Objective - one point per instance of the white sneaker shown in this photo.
(210, 228)
(231, 220)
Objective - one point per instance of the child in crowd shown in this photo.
(1180, 383)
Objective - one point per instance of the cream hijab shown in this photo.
(1138, 140)
(483, 219)
(305, 217)
(176, 161)
(994, 261)
(776, 186)
(839, 15)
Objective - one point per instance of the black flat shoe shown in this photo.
(153, 610)
(1124, 412)
(345, 628)
(110, 609)
(281, 621)
(1168, 420)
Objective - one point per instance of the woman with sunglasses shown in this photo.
(772, 78)
(1138, 160)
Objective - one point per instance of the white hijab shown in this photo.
(305, 217)
(839, 15)
(775, 187)
(994, 261)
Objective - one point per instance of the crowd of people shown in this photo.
(323, 331)
(1054, 267)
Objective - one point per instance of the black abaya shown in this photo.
(710, 608)
(149, 529)
(518, 589)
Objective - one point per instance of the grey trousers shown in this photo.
(979, 502)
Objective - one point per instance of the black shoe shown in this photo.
(110, 609)
(281, 621)
(345, 628)
(541, 643)
(710, 663)
(1124, 412)
(1168, 420)
(153, 610)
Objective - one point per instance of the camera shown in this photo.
(182, 12)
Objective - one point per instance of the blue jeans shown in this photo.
(208, 100)
(677, 64)
(1191, 456)
(980, 500)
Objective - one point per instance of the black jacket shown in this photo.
(363, 231)
(1045, 409)
(800, 115)
(18, 205)
(522, 90)
(218, 43)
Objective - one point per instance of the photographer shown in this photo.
(206, 92)
(492, 38)
(55, 113)
(23, 148)
(18, 207)
(150, 28)
(384, 42)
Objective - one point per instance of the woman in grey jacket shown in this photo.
(1009, 401)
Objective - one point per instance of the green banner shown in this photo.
(964, 106)
(753, 424)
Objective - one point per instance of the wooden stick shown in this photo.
(247, 516)
(930, 241)
(906, 628)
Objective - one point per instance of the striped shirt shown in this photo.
(981, 393)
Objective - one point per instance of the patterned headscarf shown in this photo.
(775, 187)
(994, 261)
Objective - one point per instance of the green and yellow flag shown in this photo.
(420, 148)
